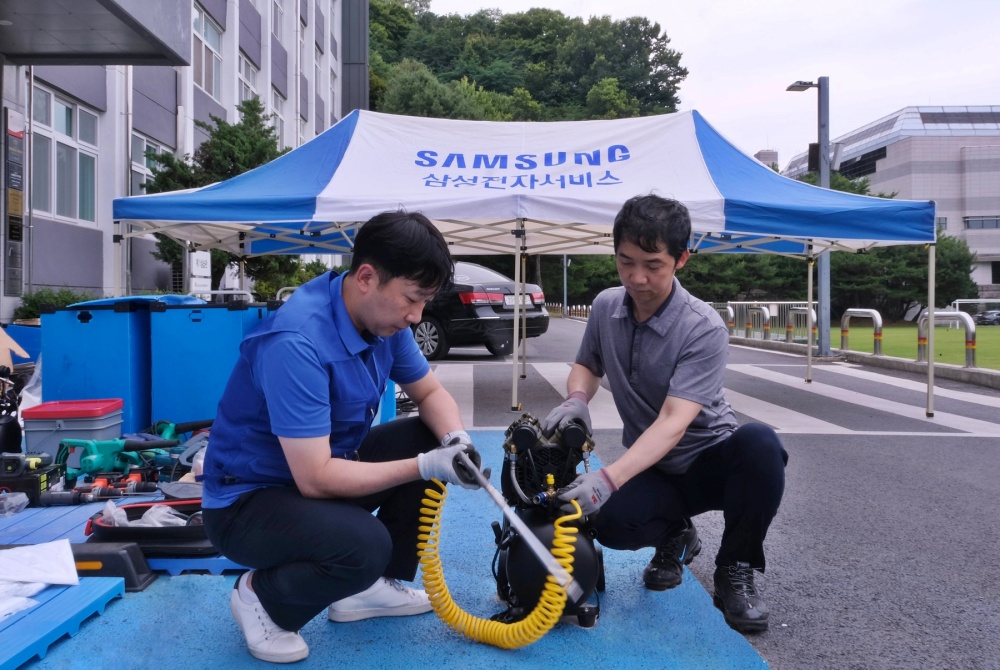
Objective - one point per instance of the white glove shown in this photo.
(573, 408)
(444, 464)
(590, 490)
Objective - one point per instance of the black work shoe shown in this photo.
(739, 599)
(667, 567)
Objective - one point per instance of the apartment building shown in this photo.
(950, 155)
(89, 86)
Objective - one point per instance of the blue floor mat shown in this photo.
(184, 621)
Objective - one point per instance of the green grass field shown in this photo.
(900, 341)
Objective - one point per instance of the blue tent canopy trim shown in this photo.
(561, 182)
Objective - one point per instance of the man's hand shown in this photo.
(573, 408)
(445, 465)
(590, 490)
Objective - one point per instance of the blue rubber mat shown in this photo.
(184, 621)
(59, 612)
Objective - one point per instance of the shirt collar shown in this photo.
(661, 320)
(354, 342)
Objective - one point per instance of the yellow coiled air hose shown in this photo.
(505, 635)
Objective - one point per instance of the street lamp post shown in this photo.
(823, 260)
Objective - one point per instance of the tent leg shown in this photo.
(518, 232)
(809, 322)
(931, 281)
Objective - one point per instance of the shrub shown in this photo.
(32, 301)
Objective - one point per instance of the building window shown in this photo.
(143, 163)
(277, 18)
(64, 157)
(277, 103)
(982, 222)
(248, 79)
(996, 272)
(207, 58)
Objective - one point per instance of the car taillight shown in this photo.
(477, 298)
(538, 298)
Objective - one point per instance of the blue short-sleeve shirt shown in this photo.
(305, 372)
(680, 351)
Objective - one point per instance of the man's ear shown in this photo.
(366, 277)
(682, 261)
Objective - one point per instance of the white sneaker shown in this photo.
(265, 639)
(386, 597)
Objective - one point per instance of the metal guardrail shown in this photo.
(792, 319)
(946, 316)
(728, 315)
(872, 314)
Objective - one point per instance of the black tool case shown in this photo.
(162, 541)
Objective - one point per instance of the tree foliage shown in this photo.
(231, 149)
(563, 65)
(541, 65)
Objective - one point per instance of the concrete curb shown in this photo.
(977, 376)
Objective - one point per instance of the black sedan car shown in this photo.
(479, 309)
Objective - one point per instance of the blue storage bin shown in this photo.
(194, 349)
(99, 351)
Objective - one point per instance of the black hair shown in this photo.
(649, 220)
(404, 244)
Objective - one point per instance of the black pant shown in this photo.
(309, 553)
(744, 476)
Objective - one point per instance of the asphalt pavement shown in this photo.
(883, 554)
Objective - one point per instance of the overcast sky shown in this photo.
(880, 56)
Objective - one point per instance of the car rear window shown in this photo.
(468, 273)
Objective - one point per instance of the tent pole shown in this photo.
(809, 319)
(518, 250)
(523, 324)
(931, 281)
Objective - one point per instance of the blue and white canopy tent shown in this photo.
(537, 188)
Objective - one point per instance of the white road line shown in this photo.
(782, 419)
(460, 382)
(603, 412)
(964, 396)
(955, 421)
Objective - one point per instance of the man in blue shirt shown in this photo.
(664, 354)
(294, 469)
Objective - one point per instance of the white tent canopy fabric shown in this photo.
(537, 188)
(478, 180)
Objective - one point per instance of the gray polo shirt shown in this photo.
(680, 351)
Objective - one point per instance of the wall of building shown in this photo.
(307, 88)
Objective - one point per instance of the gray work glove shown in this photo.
(444, 465)
(573, 408)
(590, 490)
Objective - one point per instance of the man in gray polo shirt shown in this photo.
(664, 354)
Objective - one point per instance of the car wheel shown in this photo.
(431, 339)
(500, 348)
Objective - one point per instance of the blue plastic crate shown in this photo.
(99, 351)
(194, 350)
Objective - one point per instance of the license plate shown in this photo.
(508, 300)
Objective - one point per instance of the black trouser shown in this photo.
(309, 553)
(744, 476)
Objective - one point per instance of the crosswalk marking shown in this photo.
(961, 423)
(603, 412)
(851, 370)
(781, 418)
(458, 378)
(459, 381)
